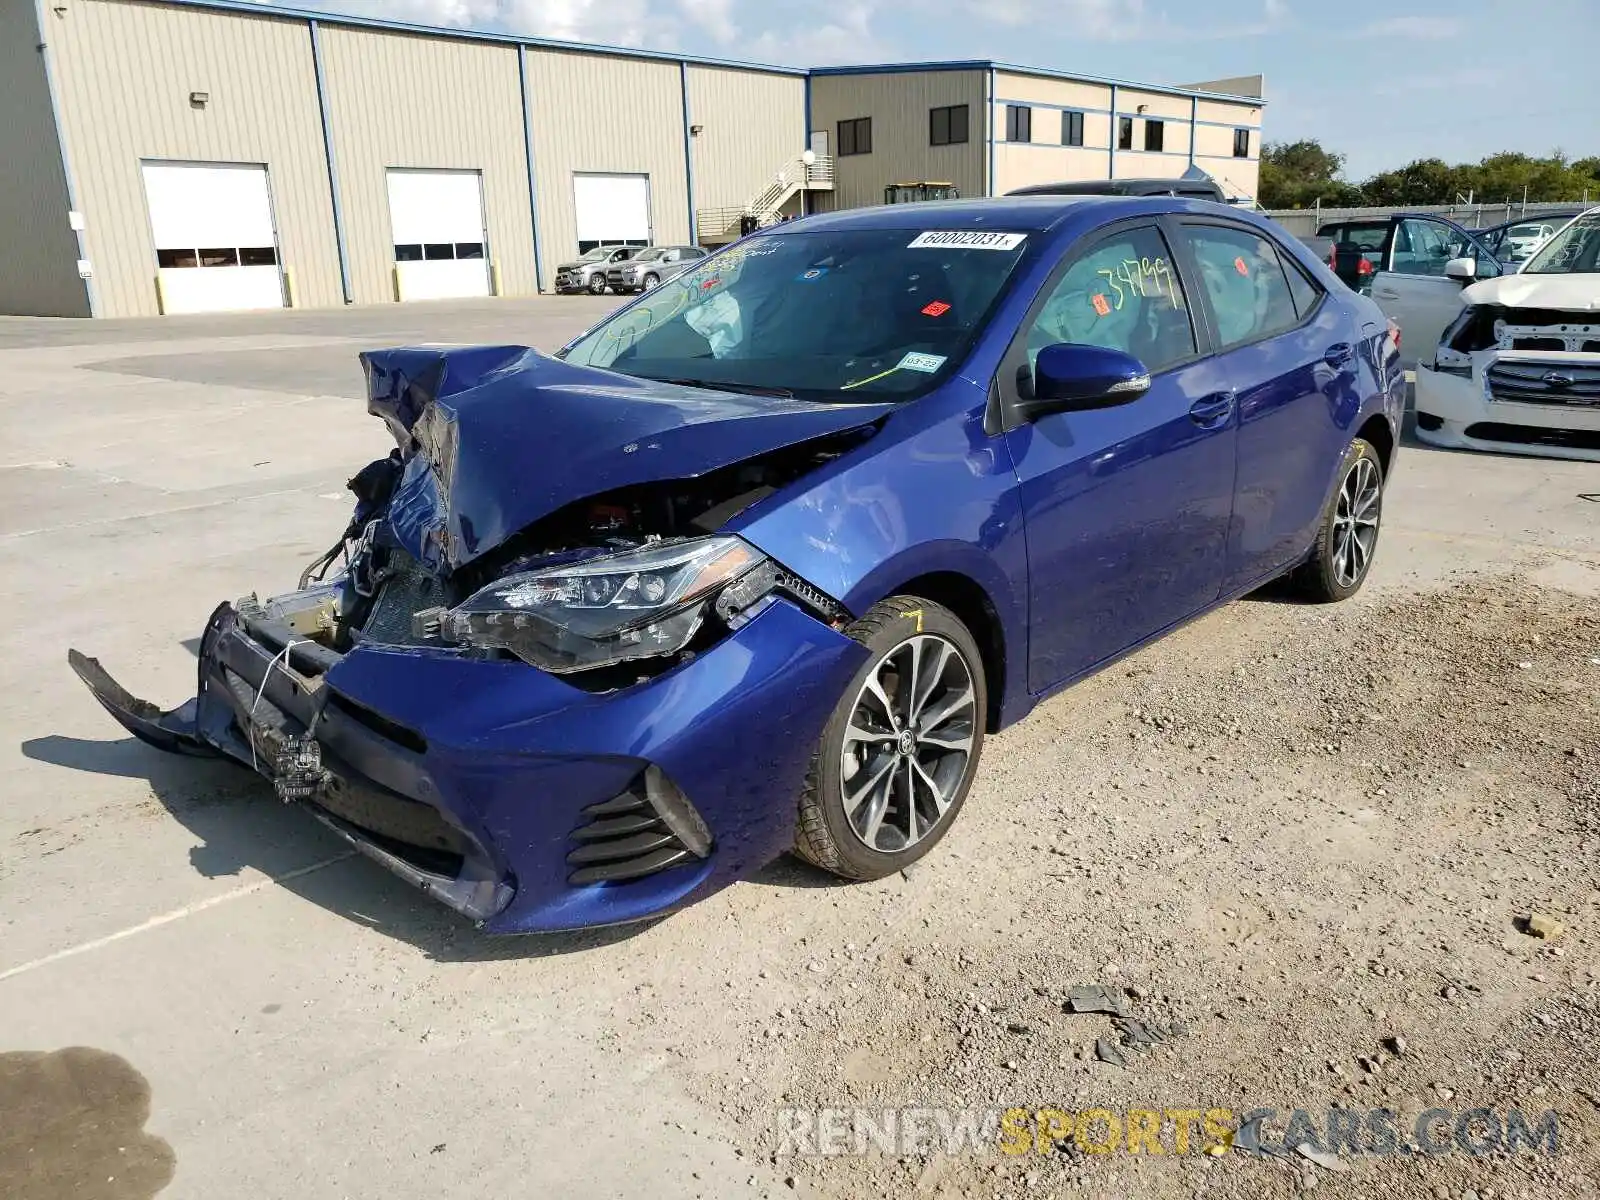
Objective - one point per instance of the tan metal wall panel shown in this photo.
(1135, 164)
(38, 253)
(1229, 114)
(752, 124)
(601, 113)
(1038, 89)
(1172, 108)
(898, 105)
(404, 100)
(1019, 166)
(125, 74)
(1238, 176)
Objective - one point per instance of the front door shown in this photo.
(1413, 289)
(1126, 509)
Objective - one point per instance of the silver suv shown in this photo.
(651, 266)
(588, 273)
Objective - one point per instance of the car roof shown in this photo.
(1022, 214)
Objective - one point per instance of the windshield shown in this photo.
(859, 314)
(597, 254)
(649, 255)
(1575, 250)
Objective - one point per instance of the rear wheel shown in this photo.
(1348, 536)
(898, 756)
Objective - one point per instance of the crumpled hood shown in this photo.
(495, 437)
(1568, 293)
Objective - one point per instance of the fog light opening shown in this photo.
(676, 813)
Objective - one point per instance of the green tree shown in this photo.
(1299, 174)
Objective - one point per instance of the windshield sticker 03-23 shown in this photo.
(966, 239)
(1143, 277)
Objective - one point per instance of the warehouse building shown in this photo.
(168, 156)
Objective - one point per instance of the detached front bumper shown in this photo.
(496, 787)
(1461, 413)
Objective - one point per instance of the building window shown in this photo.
(855, 136)
(1155, 135)
(1241, 143)
(947, 126)
(1072, 129)
(437, 251)
(1019, 123)
(1124, 133)
(219, 256)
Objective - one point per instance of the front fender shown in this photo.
(931, 493)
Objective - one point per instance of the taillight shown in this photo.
(1333, 258)
(1394, 334)
(1363, 267)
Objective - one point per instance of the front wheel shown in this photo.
(597, 285)
(898, 756)
(650, 281)
(1348, 535)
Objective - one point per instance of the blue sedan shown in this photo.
(755, 564)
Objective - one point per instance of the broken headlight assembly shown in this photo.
(1473, 329)
(643, 603)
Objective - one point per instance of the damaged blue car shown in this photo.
(755, 564)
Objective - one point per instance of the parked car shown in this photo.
(1357, 249)
(757, 562)
(1515, 242)
(1424, 264)
(587, 273)
(1518, 368)
(1194, 189)
(651, 267)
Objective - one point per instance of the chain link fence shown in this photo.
(1304, 222)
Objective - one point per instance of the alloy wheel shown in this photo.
(908, 746)
(1355, 521)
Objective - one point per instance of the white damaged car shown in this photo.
(1519, 368)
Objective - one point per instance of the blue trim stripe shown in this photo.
(527, 149)
(688, 152)
(333, 166)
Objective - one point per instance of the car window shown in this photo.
(1124, 294)
(1249, 292)
(1423, 247)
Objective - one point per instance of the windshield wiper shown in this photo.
(748, 389)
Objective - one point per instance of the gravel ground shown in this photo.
(1302, 832)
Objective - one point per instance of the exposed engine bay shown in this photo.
(368, 589)
(1493, 327)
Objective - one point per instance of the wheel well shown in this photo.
(1377, 431)
(962, 596)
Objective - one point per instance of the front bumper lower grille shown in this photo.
(649, 828)
(1529, 435)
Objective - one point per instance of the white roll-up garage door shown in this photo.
(440, 250)
(612, 209)
(216, 247)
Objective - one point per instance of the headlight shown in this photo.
(639, 604)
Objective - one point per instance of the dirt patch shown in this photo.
(1300, 833)
(72, 1125)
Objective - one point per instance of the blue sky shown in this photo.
(1383, 83)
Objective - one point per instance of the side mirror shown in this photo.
(1464, 269)
(1069, 377)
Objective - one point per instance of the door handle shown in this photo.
(1210, 411)
(1339, 354)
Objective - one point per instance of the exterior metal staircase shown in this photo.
(797, 175)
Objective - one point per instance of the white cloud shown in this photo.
(713, 16)
(1124, 20)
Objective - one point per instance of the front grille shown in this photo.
(409, 589)
(415, 832)
(1524, 382)
(630, 837)
(1527, 435)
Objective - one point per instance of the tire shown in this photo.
(597, 284)
(894, 631)
(1339, 565)
(650, 282)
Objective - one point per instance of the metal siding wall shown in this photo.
(753, 125)
(1018, 166)
(1039, 89)
(599, 113)
(898, 105)
(1238, 176)
(125, 74)
(38, 253)
(1229, 114)
(404, 100)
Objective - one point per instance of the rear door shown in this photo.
(1413, 288)
(1289, 355)
(1126, 509)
